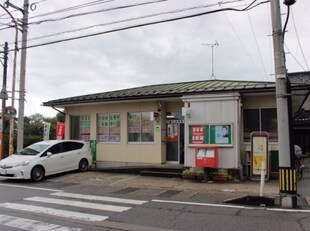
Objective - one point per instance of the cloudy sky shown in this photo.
(119, 58)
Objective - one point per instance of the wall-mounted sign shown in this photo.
(220, 135)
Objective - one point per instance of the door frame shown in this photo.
(178, 122)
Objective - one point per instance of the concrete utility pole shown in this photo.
(20, 127)
(11, 136)
(287, 171)
(4, 97)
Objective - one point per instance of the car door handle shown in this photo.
(61, 156)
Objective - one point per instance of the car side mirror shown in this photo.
(49, 154)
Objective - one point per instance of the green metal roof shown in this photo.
(167, 90)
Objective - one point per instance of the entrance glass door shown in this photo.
(175, 141)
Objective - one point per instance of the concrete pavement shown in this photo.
(176, 188)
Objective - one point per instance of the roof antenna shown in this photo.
(212, 45)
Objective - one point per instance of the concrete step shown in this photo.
(161, 174)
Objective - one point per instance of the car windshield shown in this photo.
(33, 149)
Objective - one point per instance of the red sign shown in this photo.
(60, 131)
(198, 134)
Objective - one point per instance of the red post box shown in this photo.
(206, 156)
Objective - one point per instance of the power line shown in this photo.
(96, 11)
(76, 7)
(256, 42)
(249, 7)
(132, 19)
(241, 42)
(301, 66)
(299, 43)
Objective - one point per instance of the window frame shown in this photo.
(151, 124)
(109, 127)
(247, 135)
(75, 129)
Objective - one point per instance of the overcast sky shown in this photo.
(163, 53)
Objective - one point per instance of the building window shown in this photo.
(108, 127)
(261, 119)
(80, 127)
(140, 127)
(85, 127)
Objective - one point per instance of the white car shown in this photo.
(46, 158)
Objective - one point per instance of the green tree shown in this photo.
(33, 129)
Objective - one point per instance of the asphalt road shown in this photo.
(104, 201)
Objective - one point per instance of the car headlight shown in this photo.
(25, 163)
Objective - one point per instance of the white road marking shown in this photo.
(32, 225)
(54, 212)
(289, 210)
(233, 206)
(203, 204)
(29, 187)
(80, 204)
(98, 198)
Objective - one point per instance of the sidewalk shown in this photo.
(172, 188)
(176, 188)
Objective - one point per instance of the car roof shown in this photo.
(51, 142)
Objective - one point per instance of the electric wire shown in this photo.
(257, 46)
(96, 11)
(129, 20)
(291, 54)
(76, 7)
(299, 43)
(286, 21)
(250, 6)
(241, 42)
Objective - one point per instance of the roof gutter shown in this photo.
(58, 110)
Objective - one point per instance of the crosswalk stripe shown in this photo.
(98, 198)
(54, 212)
(32, 225)
(80, 204)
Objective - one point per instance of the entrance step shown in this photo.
(170, 174)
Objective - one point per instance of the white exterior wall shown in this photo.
(216, 110)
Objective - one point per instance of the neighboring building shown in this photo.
(164, 123)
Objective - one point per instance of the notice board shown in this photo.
(220, 135)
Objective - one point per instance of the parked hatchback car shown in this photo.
(46, 158)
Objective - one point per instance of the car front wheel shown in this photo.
(37, 173)
(83, 165)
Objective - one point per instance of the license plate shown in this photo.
(2, 172)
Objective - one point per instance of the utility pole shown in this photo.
(287, 172)
(20, 127)
(4, 97)
(212, 47)
(12, 120)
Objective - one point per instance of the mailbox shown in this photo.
(206, 156)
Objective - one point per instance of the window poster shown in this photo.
(108, 127)
(146, 126)
(85, 127)
(115, 128)
(134, 123)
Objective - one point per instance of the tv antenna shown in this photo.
(212, 45)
